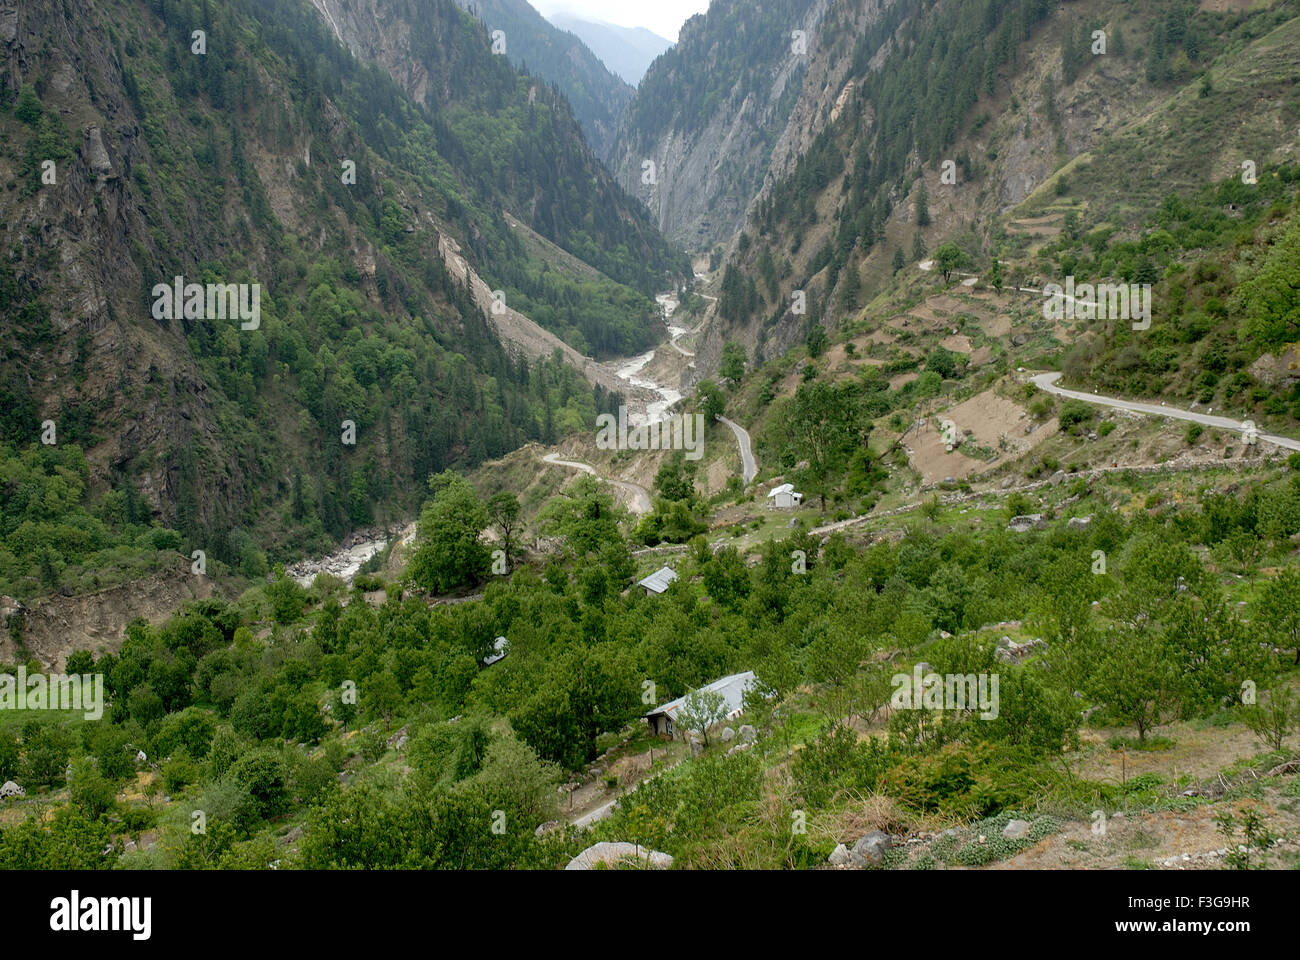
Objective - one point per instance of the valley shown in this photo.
(967, 535)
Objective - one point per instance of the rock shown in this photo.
(1079, 523)
(839, 856)
(1027, 522)
(697, 747)
(1016, 830)
(11, 789)
(613, 853)
(871, 849)
(747, 733)
(547, 827)
(1008, 651)
(1008, 483)
(728, 734)
(96, 153)
(739, 748)
(1058, 478)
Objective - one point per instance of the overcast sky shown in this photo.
(664, 17)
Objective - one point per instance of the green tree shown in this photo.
(450, 554)
(1278, 609)
(700, 710)
(922, 204)
(288, 599)
(28, 108)
(709, 397)
(949, 257)
(733, 362)
(819, 425)
(503, 512)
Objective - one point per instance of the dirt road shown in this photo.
(637, 497)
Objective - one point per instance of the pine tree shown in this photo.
(922, 205)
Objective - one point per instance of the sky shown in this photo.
(664, 17)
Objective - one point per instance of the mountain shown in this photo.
(260, 153)
(716, 116)
(1002, 129)
(628, 51)
(596, 96)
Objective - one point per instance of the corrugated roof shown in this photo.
(660, 580)
(732, 689)
(502, 647)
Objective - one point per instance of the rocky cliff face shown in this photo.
(54, 627)
(716, 112)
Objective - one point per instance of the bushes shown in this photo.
(837, 761)
(1074, 414)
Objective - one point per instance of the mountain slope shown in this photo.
(274, 159)
(596, 96)
(711, 112)
(986, 124)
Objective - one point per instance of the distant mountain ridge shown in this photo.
(627, 51)
(595, 94)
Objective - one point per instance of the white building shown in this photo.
(785, 496)
(659, 581)
(663, 719)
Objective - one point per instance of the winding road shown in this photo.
(638, 496)
(1047, 382)
(749, 468)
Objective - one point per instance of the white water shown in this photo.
(629, 370)
(346, 561)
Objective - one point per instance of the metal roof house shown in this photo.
(659, 581)
(500, 648)
(663, 719)
(785, 496)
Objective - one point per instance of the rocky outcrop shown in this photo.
(55, 627)
(613, 855)
(709, 170)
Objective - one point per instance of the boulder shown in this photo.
(1008, 483)
(612, 854)
(547, 827)
(728, 734)
(1079, 523)
(11, 789)
(1057, 478)
(1027, 522)
(839, 856)
(747, 733)
(97, 155)
(870, 850)
(1016, 830)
